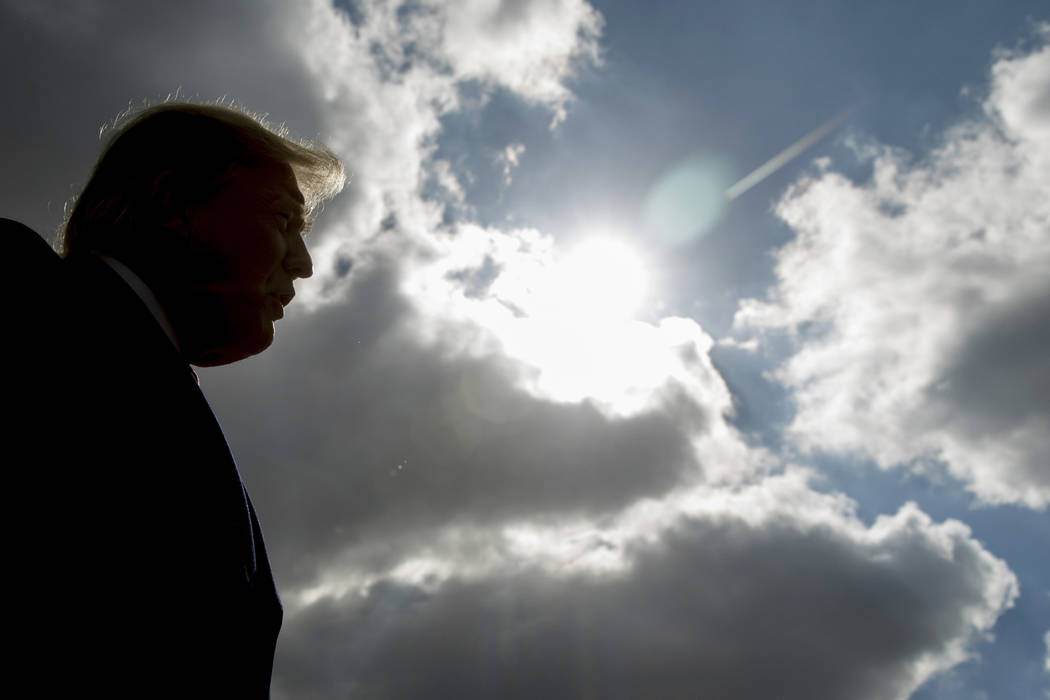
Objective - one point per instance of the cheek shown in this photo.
(258, 263)
(276, 249)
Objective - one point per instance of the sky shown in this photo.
(555, 417)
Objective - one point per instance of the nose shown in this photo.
(297, 262)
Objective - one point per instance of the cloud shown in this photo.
(739, 599)
(446, 178)
(406, 358)
(71, 70)
(529, 48)
(386, 79)
(509, 158)
(473, 447)
(1019, 95)
(919, 298)
(434, 442)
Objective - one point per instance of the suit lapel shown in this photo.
(130, 347)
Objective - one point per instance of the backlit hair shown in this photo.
(178, 154)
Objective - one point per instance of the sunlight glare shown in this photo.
(601, 278)
(569, 320)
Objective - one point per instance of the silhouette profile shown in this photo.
(137, 565)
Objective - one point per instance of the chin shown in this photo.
(257, 344)
(242, 346)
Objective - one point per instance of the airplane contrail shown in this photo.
(784, 157)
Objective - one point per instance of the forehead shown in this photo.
(271, 183)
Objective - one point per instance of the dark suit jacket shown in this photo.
(139, 564)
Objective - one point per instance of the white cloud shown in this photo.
(527, 47)
(920, 299)
(509, 158)
(386, 80)
(443, 174)
(563, 318)
(1020, 95)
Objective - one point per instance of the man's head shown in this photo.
(208, 206)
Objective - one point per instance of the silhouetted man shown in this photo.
(139, 568)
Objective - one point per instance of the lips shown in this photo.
(277, 306)
(278, 300)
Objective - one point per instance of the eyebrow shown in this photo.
(301, 217)
(284, 197)
(300, 204)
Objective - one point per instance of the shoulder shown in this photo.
(34, 285)
(12, 230)
(33, 261)
(25, 245)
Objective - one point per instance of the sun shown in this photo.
(577, 329)
(570, 319)
(599, 279)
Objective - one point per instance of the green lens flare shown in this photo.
(688, 201)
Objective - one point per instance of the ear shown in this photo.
(171, 213)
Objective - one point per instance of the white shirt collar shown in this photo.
(145, 294)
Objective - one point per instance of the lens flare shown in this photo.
(687, 201)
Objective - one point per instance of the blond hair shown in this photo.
(193, 149)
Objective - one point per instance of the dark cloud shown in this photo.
(322, 421)
(716, 608)
(68, 71)
(998, 382)
(1000, 376)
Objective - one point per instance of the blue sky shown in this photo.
(736, 81)
(806, 456)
